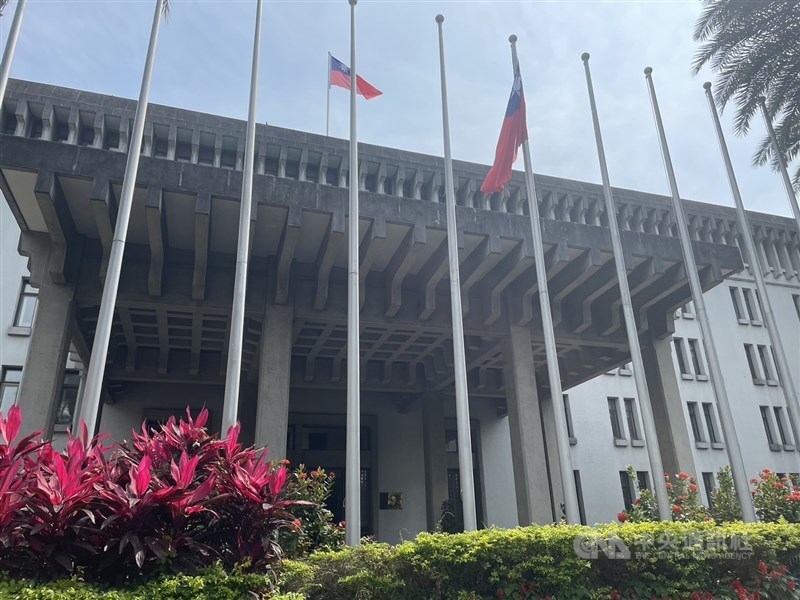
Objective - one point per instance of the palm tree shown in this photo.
(754, 47)
(96, 369)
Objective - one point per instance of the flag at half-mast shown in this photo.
(339, 75)
(512, 134)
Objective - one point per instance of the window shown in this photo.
(616, 425)
(775, 364)
(579, 493)
(9, 384)
(69, 395)
(708, 413)
(782, 431)
(694, 420)
(568, 415)
(697, 362)
(749, 304)
(679, 354)
(737, 304)
(795, 479)
(750, 352)
(796, 300)
(627, 489)
(766, 364)
(765, 418)
(643, 480)
(630, 414)
(709, 484)
(26, 305)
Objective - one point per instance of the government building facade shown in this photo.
(62, 158)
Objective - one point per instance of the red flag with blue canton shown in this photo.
(340, 76)
(512, 134)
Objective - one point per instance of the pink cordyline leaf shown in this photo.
(231, 445)
(9, 427)
(277, 481)
(140, 477)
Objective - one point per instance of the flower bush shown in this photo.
(175, 498)
(684, 499)
(725, 507)
(774, 498)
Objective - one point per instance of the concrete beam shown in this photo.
(571, 277)
(60, 226)
(288, 243)
(202, 221)
(157, 235)
(476, 265)
(399, 266)
(514, 264)
(641, 277)
(104, 207)
(556, 259)
(332, 244)
(577, 306)
(431, 273)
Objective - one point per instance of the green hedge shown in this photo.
(543, 560)
(530, 562)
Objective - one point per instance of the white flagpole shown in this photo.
(466, 476)
(11, 45)
(105, 317)
(352, 484)
(554, 373)
(787, 183)
(328, 93)
(787, 383)
(651, 437)
(717, 380)
(230, 408)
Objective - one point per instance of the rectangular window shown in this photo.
(749, 304)
(710, 485)
(750, 353)
(627, 489)
(616, 425)
(775, 364)
(708, 413)
(568, 416)
(765, 418)
(737, 303)
(694, 420)
(643, 480)
(26, 305)
(579, 493)
(697, 361)
(69, 396)
(782, 431)
(10, 378)
(679, 354)
(796, 300)
(766, 364)
(630, 414)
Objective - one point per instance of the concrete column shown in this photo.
(43, 373)
(435, 457)
(674, 438)
(272, 409)
(549, 423)
(528, 457)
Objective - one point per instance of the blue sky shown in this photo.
(203, 63)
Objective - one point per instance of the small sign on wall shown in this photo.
(391, 501)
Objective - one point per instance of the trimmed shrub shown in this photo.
(701, 561)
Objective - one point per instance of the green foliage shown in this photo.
(534, 562)
(447, 522)
(774, 499)
(211, 584)
(726, 507)
(684, 500)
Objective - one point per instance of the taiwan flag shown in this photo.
(339, 75)
(512, 134)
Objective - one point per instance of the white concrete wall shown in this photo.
(13, 267)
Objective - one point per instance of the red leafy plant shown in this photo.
(172, 498)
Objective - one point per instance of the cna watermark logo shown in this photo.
(664, 546)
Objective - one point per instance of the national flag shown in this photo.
(339, 75)
(512, 134)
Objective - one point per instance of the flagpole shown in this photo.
(789, 391)
(717, 380)
(466, 476)
(651, 437)
(11, 45)
(105, 316)
(353, 444)
(554, 373)
(230, 407)
(787, 183)
(328, 93)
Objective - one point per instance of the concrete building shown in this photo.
(62, 158)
